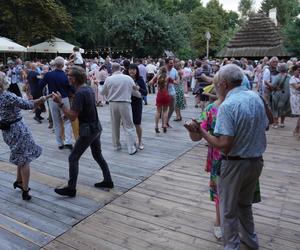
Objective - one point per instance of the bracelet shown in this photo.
(60, 105)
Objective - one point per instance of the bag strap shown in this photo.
(268, 111)
(280, 86)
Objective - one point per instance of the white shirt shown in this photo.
(78, 58)
(118, 87)
(151, 68)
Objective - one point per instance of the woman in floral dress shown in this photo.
(295, 97)
(22, 147)
(180, 99)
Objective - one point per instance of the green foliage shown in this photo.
(291, 36)
(27, 21)
(217, 21)
(246, 7)
(147, 27)
(286, 9)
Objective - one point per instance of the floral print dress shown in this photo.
(213, 162)
(19, 139)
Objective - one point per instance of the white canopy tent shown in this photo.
(55, 45)
(7, 45)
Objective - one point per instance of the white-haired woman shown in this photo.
(16, 134)
(280, 96)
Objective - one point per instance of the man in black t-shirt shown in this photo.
(35, 90)
(84, 109)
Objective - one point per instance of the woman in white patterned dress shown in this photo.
(295, 96)
(17, 136)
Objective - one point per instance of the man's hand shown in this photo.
(192, 126)
(57, 97)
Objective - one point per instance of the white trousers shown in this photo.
(57, 117)
(122, 112)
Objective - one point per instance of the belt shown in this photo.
(120, 101)
(238, 158)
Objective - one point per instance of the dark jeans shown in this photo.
(82, 143)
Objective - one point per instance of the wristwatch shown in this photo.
(60, 105)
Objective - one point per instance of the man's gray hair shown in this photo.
(282, 67)
(115, 67)
(232, 74)
(59, 62)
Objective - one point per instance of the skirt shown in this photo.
(162, 98)
(22, 147)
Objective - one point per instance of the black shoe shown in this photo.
(69, 146)
(146, 103)
(26, 196)
(157, 130)
(41, 118)
(37, 119)
(61, 147)
(104, 184)
(66, 191)
(19, 185)
(165, 130)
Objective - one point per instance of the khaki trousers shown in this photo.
(121, 112)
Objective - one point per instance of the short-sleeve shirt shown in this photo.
(33, 81)
(174, 75)
(84, 105)
(242, 115)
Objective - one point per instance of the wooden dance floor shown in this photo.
(161, 198)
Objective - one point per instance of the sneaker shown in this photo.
(69, 146)
(61, 147)
(104, 184)
(66, 191)
(275, 126)
(218, 232)
(281, 125)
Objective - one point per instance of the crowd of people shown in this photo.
(237, 100)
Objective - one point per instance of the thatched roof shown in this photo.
(258, 38)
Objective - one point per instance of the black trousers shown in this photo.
(82, 143)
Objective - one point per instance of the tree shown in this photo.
(291, 36)
(286, 9)
(145, 29)
(30, 21)
(217, 21)
(246, 7)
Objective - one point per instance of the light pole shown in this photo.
(207, 37)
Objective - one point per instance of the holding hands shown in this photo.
(195, 130)
(57, 97)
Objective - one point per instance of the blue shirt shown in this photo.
(174, 75)
(246, 82)
(57, 80)
(242, 115)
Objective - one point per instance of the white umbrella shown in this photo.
(7, 45)
(55, 45)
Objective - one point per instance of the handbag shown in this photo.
(5, 125)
